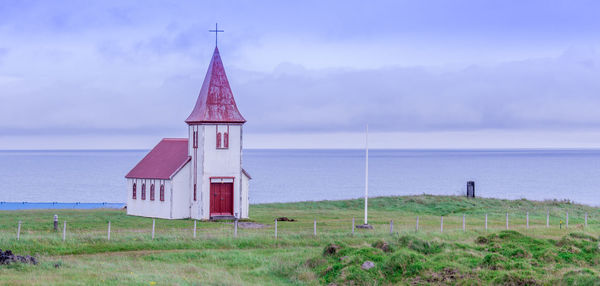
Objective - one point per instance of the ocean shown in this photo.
(95, 177)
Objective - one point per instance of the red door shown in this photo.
(221, 199)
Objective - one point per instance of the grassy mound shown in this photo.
(504, 258)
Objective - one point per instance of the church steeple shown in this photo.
(215, 102)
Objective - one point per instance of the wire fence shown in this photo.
(531, 223)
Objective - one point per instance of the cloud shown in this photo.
(425, 66)
(550, 93)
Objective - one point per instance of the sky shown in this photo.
(305, 74)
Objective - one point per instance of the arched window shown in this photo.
(134, 193)
(143, 191)
(194, 192)
(226, 140)
(152, 192)
(218, 139)
(162, 193)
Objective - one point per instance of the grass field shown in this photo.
(534, 255)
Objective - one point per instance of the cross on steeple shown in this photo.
(216, 31)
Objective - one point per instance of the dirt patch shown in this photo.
(331, 249)
(283, 218)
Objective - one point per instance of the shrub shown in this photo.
(493, 261)
(403, 263)
(424, 247)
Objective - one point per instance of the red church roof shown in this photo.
(215, 102)
(163, 161)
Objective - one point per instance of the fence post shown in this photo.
(486, 227)
(315, 228)
(352, 225)
(417, 230)
(109, 230)
(464, 226)
(64, 230)
(586, 215)
(195, 221)
(442, 224)
(507, 220)
(547, 218)
(153, 224)
(235, 227)
(55, 222)
(392, 226)
(527, 220)
(567, 225)
(19, 231)
(275, 228)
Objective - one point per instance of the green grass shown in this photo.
(537, 255)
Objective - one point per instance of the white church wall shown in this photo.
(221, 163)
(245, 198)
(180, 190)
(197, 161)
(148, 208)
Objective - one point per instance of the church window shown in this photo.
(162, 193)
(194, 192)
(195, 139)
(152, 192)
(143, 191)
(222, 137)
(134, 194)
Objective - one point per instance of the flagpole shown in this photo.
(366, 173)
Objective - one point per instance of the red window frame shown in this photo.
(152, 192)
(143, 191)
(134, 193)
(219, 140)
(226, 140)
(194, 192)
(162, 192)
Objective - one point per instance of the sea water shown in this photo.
(301, 175)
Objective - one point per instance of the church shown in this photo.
(199, 177)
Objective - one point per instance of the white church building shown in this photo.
(199, 177)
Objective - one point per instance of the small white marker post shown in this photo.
(195, 228)
(392, 226)
(315, 228)
(235, 227)
(567, 225)
(442, 224)
(275, 228)
(352, 225)
(547, 218)
(64, 230)
(464, 226)
(108, 235)
(486, 220)
(153, 224)
(527, 220)
(417, 228)
(507, 220)
(19, 231)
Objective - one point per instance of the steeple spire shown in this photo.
(215, 102)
